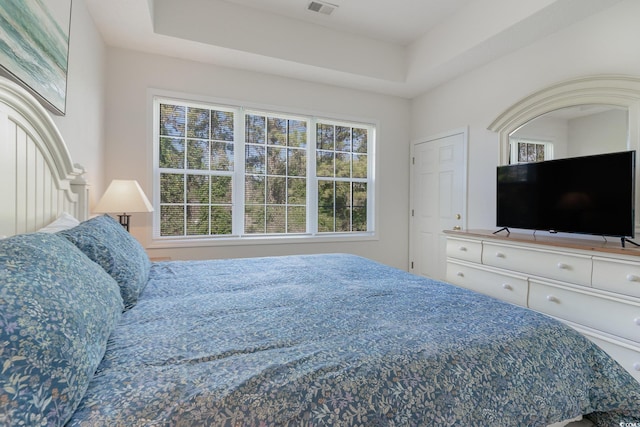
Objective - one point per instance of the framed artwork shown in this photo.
(34, 47)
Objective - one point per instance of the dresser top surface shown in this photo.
(611, 245)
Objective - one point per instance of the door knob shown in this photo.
(458, 216)
(457, 227)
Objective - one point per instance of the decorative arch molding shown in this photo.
(615, 90)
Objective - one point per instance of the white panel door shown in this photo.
(438, 200)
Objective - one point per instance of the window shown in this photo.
(275, 197)
(195, 170)
(231, 172)
(526, 151)
(341, 159)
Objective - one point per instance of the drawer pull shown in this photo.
(636, 366)
(633, 278)
(507, 287)
(500, 255)
(563, 266)
(460, 274)
(551, 298)
(463, 249)
(637, 321)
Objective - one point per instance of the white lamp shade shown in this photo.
(123, 196)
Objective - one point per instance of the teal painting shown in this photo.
(34, 47)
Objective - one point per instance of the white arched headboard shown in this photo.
(38, 179)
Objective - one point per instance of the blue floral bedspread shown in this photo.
(338, 340)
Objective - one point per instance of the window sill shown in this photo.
(259, 240)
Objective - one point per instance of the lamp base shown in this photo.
(124, 220)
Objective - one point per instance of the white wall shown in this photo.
(83, 125)
(547, 129)
(603, 43)
(598, 133)
(128, 141)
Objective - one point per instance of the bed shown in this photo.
(92, 333)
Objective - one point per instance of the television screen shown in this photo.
(589, 195)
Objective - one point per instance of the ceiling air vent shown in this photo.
(322, 7)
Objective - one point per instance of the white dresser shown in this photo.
(593, 286)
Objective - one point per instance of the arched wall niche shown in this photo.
(614, 90)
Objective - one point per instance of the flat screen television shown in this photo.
(588, 195)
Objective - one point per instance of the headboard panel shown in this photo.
(38, 179)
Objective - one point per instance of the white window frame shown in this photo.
(513, 148)
(237, 238)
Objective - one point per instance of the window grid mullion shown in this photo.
(312, 179)
(238, 190)
(286, 179)
(184, 178)
(210, 201)
(264, 174)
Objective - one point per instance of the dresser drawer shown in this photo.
(572, 268)
(616, 276)
(508, 287)
(468, 250)
(602, 312)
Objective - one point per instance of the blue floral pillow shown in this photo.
(107, 243)
(57, 310)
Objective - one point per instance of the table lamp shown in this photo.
(124, 196)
